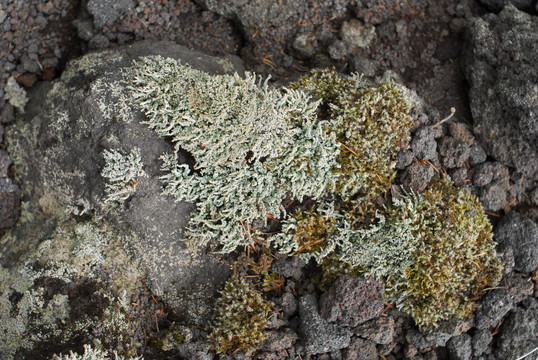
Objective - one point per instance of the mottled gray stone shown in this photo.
(424, 144)
(494, 306)
(498, 5)
(460, 348)
(108, 10)
(303, 45)
(477, 154)
(360, 349)
(520, 233)
(357, 33)
(352, 300)
(380, 330)
(481, 340)
(417, 176)
(518, 332)
(337, 50)
(318, 335)
(500, 60)
(279, 340)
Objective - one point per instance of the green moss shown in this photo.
(371, 124)
(455, 256)
(433, 252)
(240, 319)
(312, 231)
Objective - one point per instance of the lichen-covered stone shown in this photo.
(72, 264)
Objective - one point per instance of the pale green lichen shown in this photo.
(249, 151)
(15, 94)
(123, 173)
(93, 354)
(38, 307)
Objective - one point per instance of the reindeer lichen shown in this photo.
(123, 173)
(249, 151)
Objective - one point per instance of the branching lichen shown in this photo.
(93, 354)
(123, 173)
(249, 151)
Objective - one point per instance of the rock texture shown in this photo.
(521, 234)
(318, 335)
(74, 259)
(352, 301)
(500, 60)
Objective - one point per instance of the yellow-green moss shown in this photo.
(455, 256)
(371, 123)
(241, 316)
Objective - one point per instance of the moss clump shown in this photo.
(454, 258)
(433, 251)
(240, 319)
(371, 124)
(314, 233)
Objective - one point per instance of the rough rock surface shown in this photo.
(480, 341)
(360, 349)
(380, 330)
(518, 332)
(108, 10)
(352, 300)
(500, 60)
(521, 234)
(70, 242)
(460, 348)
(318, 335)
(494, 306)
(498, 5)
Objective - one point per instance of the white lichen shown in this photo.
(15, 94)
(252, 145)
(123, 173)
(93, 354)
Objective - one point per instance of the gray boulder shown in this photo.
(74, 266)
(500, 64)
